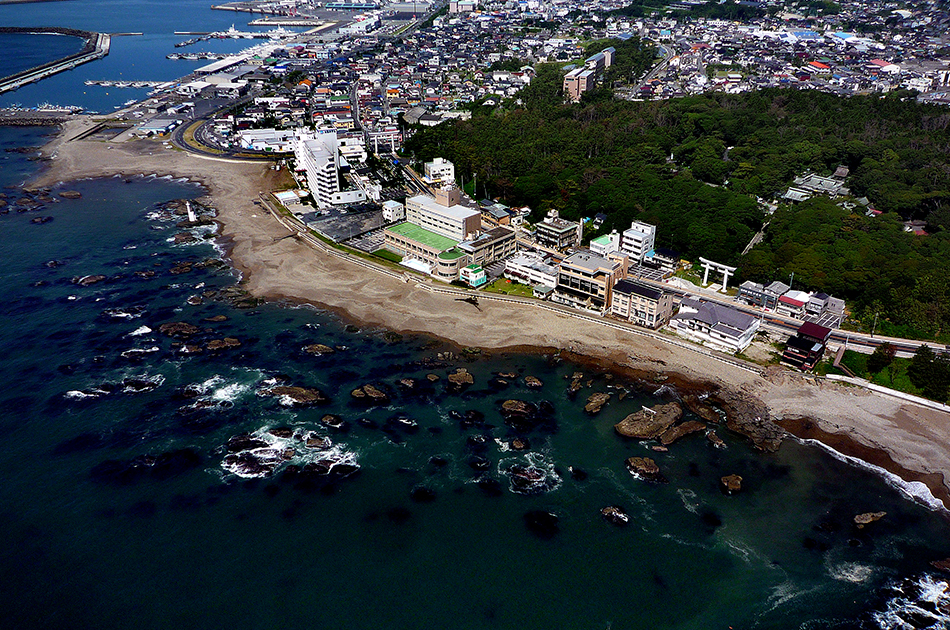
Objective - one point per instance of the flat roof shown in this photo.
(456, 212)
(422, 235)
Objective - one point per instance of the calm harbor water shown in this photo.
(120, 506)
(131, 58)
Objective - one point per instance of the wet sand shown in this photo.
(905, 439)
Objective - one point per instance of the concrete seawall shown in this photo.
(96, 47)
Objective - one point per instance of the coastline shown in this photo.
(904, 439)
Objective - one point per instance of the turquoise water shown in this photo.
(431, 530)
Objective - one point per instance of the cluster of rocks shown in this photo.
(295, 395)
(370, 394)
(129, 385)
(184, 332)
(253, 456)
(28, 200)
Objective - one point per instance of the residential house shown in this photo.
(715, 325)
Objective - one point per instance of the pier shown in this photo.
(96, 47)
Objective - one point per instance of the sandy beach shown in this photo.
(905, 439)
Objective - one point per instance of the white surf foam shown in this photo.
(141, 330)
(915, 490)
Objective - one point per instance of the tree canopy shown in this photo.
(694, 167)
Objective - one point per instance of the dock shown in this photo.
(97, 47)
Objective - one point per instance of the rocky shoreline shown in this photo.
(756, 404)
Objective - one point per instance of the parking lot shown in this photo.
(341, 223)
(368, 242)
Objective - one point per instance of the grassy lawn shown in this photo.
(893, 376)
(385, 254)
(508, 287)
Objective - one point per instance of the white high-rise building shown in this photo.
(639, 239)
(318, 157)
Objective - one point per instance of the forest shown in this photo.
(698, 167)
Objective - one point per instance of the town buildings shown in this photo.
(638, 240)
(806, 347)
(586, 280)
(439, 172)
(714, 325)
(641, 303)
(531, 268)
(443, 214)
(558, 233)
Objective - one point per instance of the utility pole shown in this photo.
(791, 279)
(874, 326)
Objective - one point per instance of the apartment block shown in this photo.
(586, 280)
(638, 240)
(641, 303)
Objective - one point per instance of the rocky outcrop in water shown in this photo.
(615, 515)
(296, 395)
(715, 440)
(222, 344)
(595, 402)
(649, 423)
(318, 349)
(533, 382)
(645, 468)
(70, 194)
(88, 281)
(178, 330)
(731, 484)
(680, 430)
(461, 378)
(867, 518)
(370, 394)
(748, 416)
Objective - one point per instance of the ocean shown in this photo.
(158, 473)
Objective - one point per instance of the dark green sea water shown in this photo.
(97, 535)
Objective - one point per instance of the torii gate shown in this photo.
(725, 270)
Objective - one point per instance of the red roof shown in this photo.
(819, 65)
(787, 300)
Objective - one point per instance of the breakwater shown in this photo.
(96, 46)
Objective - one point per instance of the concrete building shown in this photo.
(605, 244)
(484, 248)
(641, 303)
(473, 275)
(586, 280)
(393, 211)
(440, 171)
(438, 254)
(638, 240)
(579, 80)
(715, 325)
(318, 160)
(558, 233)
(530, 268)
(270, 140)
(755, 294)
(443, 214)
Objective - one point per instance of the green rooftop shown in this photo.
(422, 235)
(602, 240)
(452, 254)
